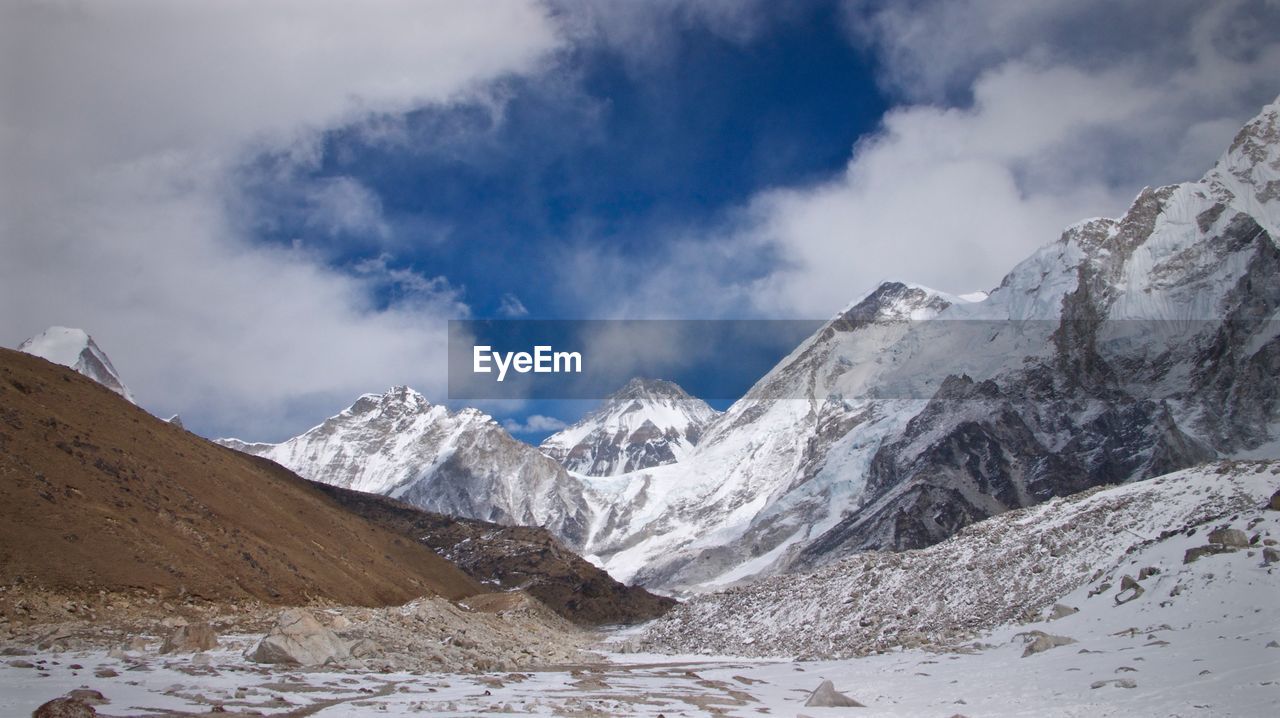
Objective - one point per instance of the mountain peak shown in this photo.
(74, 348)
(643, 387)
(646, 423)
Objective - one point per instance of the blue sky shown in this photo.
(263, 210)
(598, 149)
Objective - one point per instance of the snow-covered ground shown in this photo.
(1201, 639)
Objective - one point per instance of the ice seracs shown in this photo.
(74, 348)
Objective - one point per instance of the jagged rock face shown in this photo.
(647, 423)
(457, 463)
(1129, 348)
(74, 348)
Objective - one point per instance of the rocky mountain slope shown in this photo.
(509, 558)
(647, 423)
(76, 349)
(461, 463)
(1177, 540)
(98, 495)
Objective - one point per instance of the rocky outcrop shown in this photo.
(190, 638)
(299, 638)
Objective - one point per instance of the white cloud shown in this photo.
(512, 307)
(536, 423)
(120, 130)
(1012, 121)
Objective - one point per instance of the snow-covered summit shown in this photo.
(74, 348)
(647, 423)
(459, 463)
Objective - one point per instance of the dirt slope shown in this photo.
(95, 493)
(509, 557)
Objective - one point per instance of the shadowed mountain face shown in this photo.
(95, 493)
(512, 557)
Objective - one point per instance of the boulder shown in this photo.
(298, 638)
(826, 696)
(1061, 611)
(1129, 590)
(1275, 501)
(1194, 554)
(191, 638)
(1229, 537)
(1042, 642)
(88, 695)
(65, 708)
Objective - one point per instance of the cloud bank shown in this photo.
(120, 134)
(1012, 120)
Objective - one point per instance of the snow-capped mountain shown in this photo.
(649, 422)
(458, 463)
(1128, 348)
(74, 348)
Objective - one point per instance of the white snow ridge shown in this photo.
(74, 348)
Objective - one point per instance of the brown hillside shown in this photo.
(95, 493)
(511, 557)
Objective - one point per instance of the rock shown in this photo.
(1129, 590)
(1061, 611)
(298, 638)
(826, 696)
(21, 664)
(1273, 644)
(340, 623)
(1229, 537)
(1270, 556)
(90, 696)
(191, 638)
(1275, 501)
(365, 648)
(65, 708)
(1148, 572)
(1117, 682)
(1044, 641)
(1194, 554)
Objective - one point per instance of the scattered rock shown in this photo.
(826, 696)
(1041, 642)
(365, 648)
(300, 639)
(1194, 554)
(191, 638)
(1117, 682)
(1275, 501)
(90, 696)
(65, 708)
(1061, 611)
(1129, 590)
(1229, 537)
(1270, 556)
